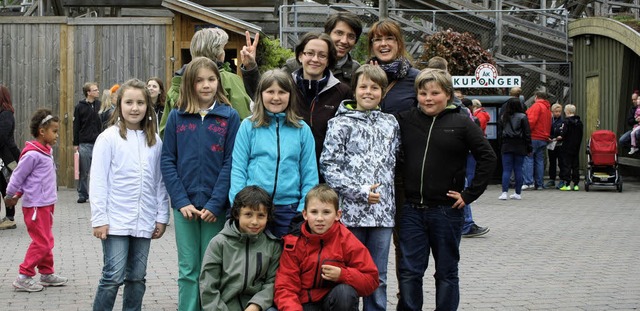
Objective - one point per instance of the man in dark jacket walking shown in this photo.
(86, 128)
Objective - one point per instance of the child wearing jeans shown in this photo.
(34, 179)
(358, 161)
(239, 266)
(323, 265)
(196, 167)
(275, 150)
(129, 203)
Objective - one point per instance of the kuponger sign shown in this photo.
(486, 77)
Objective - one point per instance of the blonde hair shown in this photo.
(556, 105)
(105, 101)
(188, 99)
(148, 123)
(439, 76)
(476, 103)
(570, 109)
(209, 43)
(285, 81)
(322, 193)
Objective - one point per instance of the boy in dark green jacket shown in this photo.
(239, 266)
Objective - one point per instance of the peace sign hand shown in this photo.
(248, 52)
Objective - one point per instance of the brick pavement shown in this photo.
(551, 251)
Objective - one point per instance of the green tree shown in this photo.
(270, 54)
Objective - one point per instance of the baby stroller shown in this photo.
(602, 161)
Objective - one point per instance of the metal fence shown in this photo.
(531, 43)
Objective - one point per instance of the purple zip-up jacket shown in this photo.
(35, 176)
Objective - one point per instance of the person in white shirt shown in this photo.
(129, 202)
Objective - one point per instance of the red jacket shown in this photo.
(299, 280)
(483, 117)
(539, 116)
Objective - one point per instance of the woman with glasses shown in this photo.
(387, 49)
(320, 92)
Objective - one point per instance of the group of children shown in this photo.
(566, 138)
(265, 165)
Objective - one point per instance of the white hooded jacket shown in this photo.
(127, 191)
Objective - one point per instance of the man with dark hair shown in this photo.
(344, 29)
(86, 128)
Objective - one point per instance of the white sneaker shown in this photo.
(515, 196)
(633, 150)
(503, 196)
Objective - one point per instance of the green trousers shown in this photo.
(192, 239)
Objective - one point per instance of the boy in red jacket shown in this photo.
(323, 265)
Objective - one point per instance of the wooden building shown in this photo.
(606, 71)
(44, 61)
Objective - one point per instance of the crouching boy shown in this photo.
(239, 266)
(323, 265)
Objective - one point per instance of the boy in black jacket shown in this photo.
(571, 141)
(437, 139)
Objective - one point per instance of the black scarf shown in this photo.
(396, 69)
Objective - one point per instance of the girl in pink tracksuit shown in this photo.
(34, 179)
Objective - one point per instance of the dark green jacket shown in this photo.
(239, 269)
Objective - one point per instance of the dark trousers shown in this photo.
(569, 169)
(342, 297)
(555, 161)
(10, 210)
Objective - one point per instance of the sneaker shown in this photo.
(515, 196)
(566, 188)
(27, 284)
(6, 223)
(52, 280)
(528, 187)
(576, 188)
(560, 185)
(82, 200)
(550, 184)
(503, 196)
(476, 231)
(633, 150)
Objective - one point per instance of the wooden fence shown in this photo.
(44, 61)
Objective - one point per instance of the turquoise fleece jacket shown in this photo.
(196, 157)
(277, 155)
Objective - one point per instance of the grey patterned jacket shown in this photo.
(360, 150)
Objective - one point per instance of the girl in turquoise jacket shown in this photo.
(275, 150)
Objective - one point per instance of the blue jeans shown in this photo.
(86, 154)
(534, 164)
(625, 139)
(470, 173)
(125, 261)
(342, 297)
(421, 230)
(377, 240)
(282, 215)
(512, 162)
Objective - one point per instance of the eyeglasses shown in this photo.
(311, 54)
(379, 40)
(96, 90)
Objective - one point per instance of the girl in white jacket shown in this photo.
(129, 202)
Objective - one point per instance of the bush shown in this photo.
(461, 50)
(270, 54)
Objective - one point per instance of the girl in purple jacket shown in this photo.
(34, 179)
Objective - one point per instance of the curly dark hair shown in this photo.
(37, 121)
